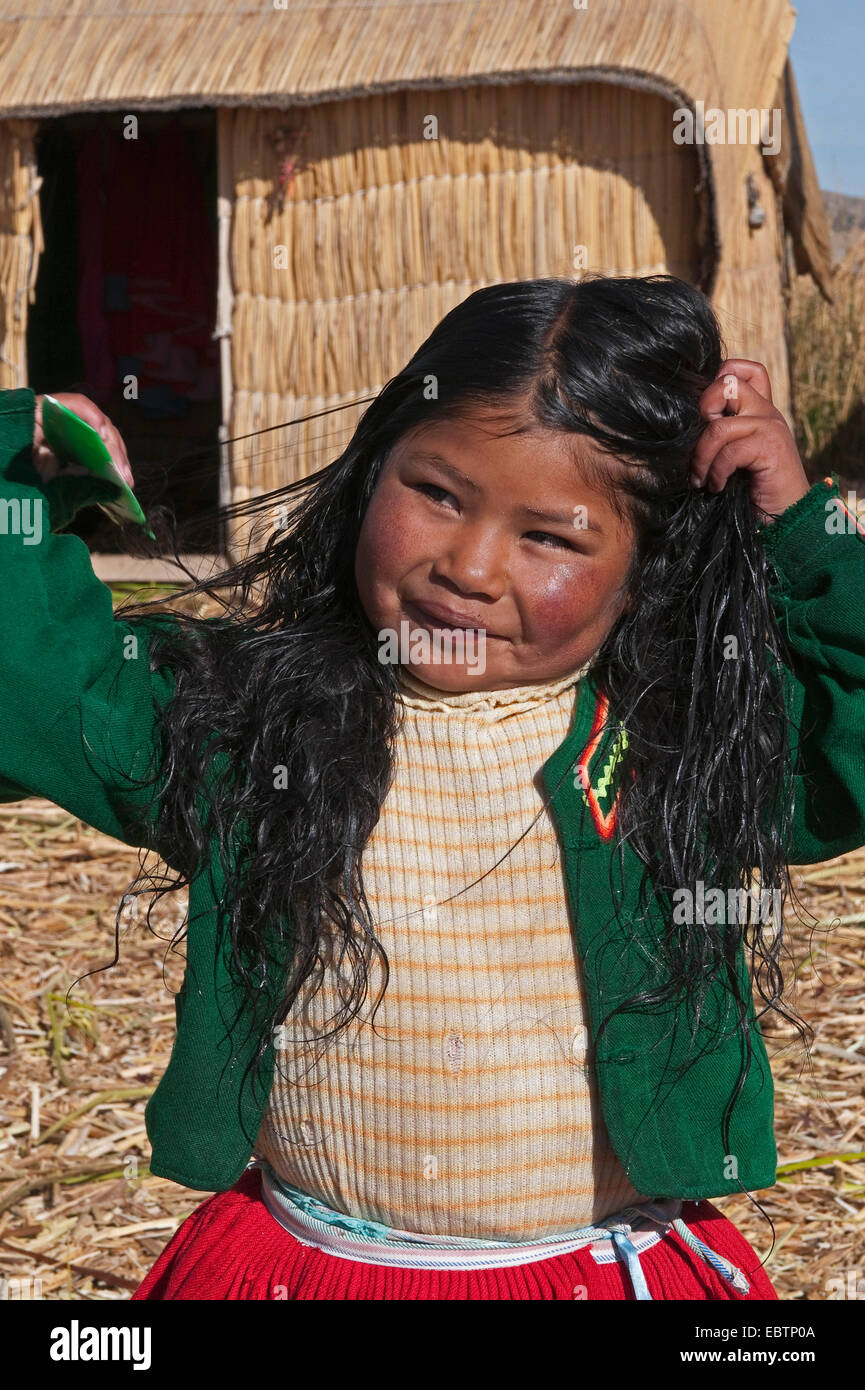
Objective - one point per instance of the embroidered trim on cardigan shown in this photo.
(593, 795)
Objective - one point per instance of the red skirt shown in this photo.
(232, 1248)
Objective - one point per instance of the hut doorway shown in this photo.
(125, 301)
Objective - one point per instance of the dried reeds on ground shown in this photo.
(818, 1203)
(79, 1209)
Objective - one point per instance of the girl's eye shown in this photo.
(550, 535)
(432, 490)
(549, 538)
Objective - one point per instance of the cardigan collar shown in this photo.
(579, 775)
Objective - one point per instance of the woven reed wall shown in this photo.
(750, 295)
(20, 245)
(384, 231)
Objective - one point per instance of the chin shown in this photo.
(456, 680)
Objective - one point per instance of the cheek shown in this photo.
(387, 548)
(567, 602)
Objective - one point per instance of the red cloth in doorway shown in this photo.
(160, 245)
(91, 166)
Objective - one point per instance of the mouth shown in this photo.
(435, 615)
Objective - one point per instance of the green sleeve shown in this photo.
(818, 555)
(78, 699)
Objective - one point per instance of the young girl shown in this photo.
(557, 658)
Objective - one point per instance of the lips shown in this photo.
(436, 615)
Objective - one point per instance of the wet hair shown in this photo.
(693, 669)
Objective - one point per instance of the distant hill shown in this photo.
(846, 221)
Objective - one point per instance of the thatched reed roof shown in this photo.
(89, 54)
(58, 56)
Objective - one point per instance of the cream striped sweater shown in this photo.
(472, 1108)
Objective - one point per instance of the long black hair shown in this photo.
(287, 705)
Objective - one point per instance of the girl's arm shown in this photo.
(818, 553)
(78, 700)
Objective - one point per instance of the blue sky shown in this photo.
(828, 55)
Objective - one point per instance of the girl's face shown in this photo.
(470, 529)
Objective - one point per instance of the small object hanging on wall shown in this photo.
(287, 141)
(756, 213)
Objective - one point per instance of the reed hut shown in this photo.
(374, 164)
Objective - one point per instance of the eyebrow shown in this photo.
(557, 518)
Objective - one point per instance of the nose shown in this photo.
(473, 562)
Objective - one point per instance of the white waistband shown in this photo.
(314, 1224)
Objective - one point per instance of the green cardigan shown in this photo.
(79, 719)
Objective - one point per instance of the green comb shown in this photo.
(70, 437)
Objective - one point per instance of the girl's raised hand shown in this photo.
(744, 430)
(44, 459)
